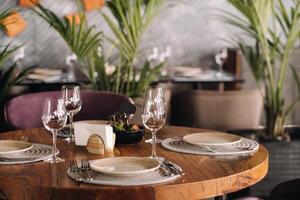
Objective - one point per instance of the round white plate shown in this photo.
(125, 166)
(13, 146)
(212, 138)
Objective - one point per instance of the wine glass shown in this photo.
(220, 59)
(71, 96)
(154, 113)
(54, 118)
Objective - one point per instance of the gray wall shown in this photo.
(189, 27)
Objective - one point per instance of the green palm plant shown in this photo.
(81, 39)
(269, 56)
(130, 19)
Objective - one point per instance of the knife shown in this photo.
(17, 159)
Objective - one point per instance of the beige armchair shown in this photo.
(240, 109)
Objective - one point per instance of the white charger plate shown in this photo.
(212, 139)
(125, 166)
(13, 146)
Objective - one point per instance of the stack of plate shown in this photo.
(211, 143)
(19, 152)
(127, 171)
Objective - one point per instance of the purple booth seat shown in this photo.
(26, 111)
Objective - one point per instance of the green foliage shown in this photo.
(130, 20)
(128, 23)
(273, 46)
(81, 39)
(119, 122)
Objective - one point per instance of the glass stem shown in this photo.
(220, 69)
(153, 155)
(54, 136)
(71, 125)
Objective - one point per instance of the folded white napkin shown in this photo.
(84, 129)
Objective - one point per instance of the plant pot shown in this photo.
(259, 133)
(129, 137)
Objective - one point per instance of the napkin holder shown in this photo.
(95, 145)
(84, 130)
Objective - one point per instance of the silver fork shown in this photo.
(75, 170)
(85, 167)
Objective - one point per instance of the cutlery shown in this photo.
(75, 170)
(209, 149)
(17, 159)
(167, 170)
(86, 169)
(174, 167)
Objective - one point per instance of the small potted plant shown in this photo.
(126, 133)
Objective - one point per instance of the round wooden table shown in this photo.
(205, 176)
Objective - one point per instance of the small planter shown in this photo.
(129, 137)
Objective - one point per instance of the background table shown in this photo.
(206, 176)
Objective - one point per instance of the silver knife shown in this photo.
(17, 159)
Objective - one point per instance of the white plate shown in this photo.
(13, 146)
(212, 138)
(125, 166)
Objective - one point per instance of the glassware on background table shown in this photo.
(54, 118)
(154, 113)
(220, 59)
(72, 99)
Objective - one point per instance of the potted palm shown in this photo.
(128, 22)
(275, 30)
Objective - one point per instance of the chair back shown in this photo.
(25, 111)
(227, 110)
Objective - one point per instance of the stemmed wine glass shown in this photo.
(71, 96)
(154, 113)
(220, 58)
(54, 118)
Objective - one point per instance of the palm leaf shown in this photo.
(6, 52)
(81, 41)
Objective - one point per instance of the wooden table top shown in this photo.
(205, 176)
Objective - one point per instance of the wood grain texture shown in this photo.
(206, 176)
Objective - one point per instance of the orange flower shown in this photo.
(92, 4)
(28, 3)
(14, 24)
(75, 16)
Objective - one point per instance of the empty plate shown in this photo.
(125, 166)
(13, 146)
(212, 138)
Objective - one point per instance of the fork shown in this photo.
(75, 170)
(85, 167)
